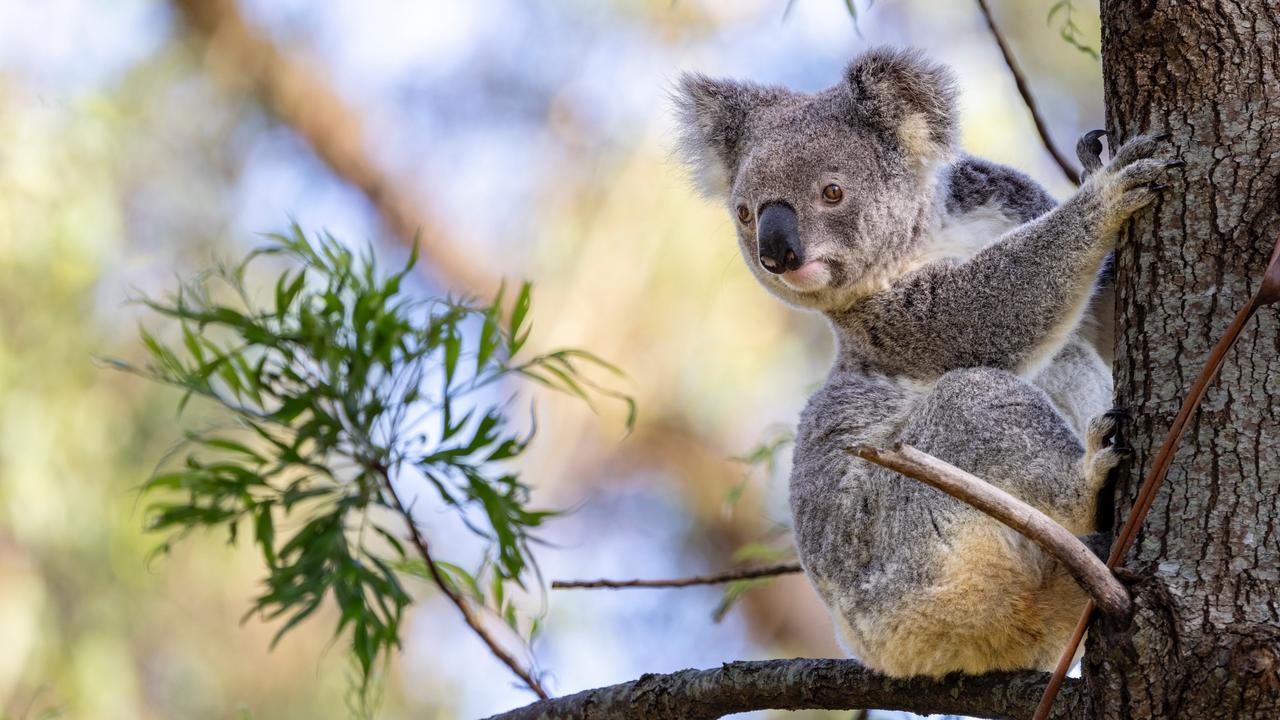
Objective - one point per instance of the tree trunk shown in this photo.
(1206, 636)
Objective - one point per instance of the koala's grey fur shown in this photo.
(958, 293)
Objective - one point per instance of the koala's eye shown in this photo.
(833, 193)
(744, 214)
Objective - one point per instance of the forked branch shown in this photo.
(1088, 570)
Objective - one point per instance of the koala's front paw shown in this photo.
(1128, 183)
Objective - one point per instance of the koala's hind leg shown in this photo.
(989, 598)
(1009, 432)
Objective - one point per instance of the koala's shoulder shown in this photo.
(970, 183)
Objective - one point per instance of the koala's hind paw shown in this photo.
(1120, 419)
(1105, 447)
(1106, 431)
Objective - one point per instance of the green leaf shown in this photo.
(490, 334)
(231, 445)
(452, 351)
(461, 580)
(265, 534)
(519, 311)
(285, 295)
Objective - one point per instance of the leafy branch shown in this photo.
(349, 402)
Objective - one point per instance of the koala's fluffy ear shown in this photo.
(909, 98)
(714, 117)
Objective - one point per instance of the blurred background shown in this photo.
(528, 139)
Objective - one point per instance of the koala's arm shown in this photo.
(1014, 303)
(972, 183)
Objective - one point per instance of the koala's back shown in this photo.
(971, 183)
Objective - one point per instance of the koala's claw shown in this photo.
(1176, 164)
(1134, 178)
(1089, 151)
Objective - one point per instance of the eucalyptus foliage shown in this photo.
(347, 398)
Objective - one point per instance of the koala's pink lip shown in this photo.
(810, 276)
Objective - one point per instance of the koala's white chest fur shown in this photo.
(960, 237)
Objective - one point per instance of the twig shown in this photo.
(1084, 566)
(292, 93)
(717, 578)
(798, 685)
(1024, 90)
(1268, 293)
(460, 602)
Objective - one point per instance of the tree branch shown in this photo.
(293, 94)
(1042, 128)
(715, 579)
(801, 684)
(460, 602)
(1089, 571)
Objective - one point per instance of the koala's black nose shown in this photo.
(778, 238)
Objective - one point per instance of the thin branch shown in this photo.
(239, 55)
(460, 602)
(1268, 293)
(1089, 571)
(715, 579)
(798, 685)
(1042, 128)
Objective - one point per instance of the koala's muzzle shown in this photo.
(778, 238)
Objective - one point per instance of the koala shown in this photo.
(962, 299)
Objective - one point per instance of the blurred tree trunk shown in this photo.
(1206, 639)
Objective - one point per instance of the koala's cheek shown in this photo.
(750, 251)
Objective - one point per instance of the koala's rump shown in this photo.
(989, 601)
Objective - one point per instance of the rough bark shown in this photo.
(1205, 640)
(798, 685)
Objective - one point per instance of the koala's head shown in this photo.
(829, 191)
